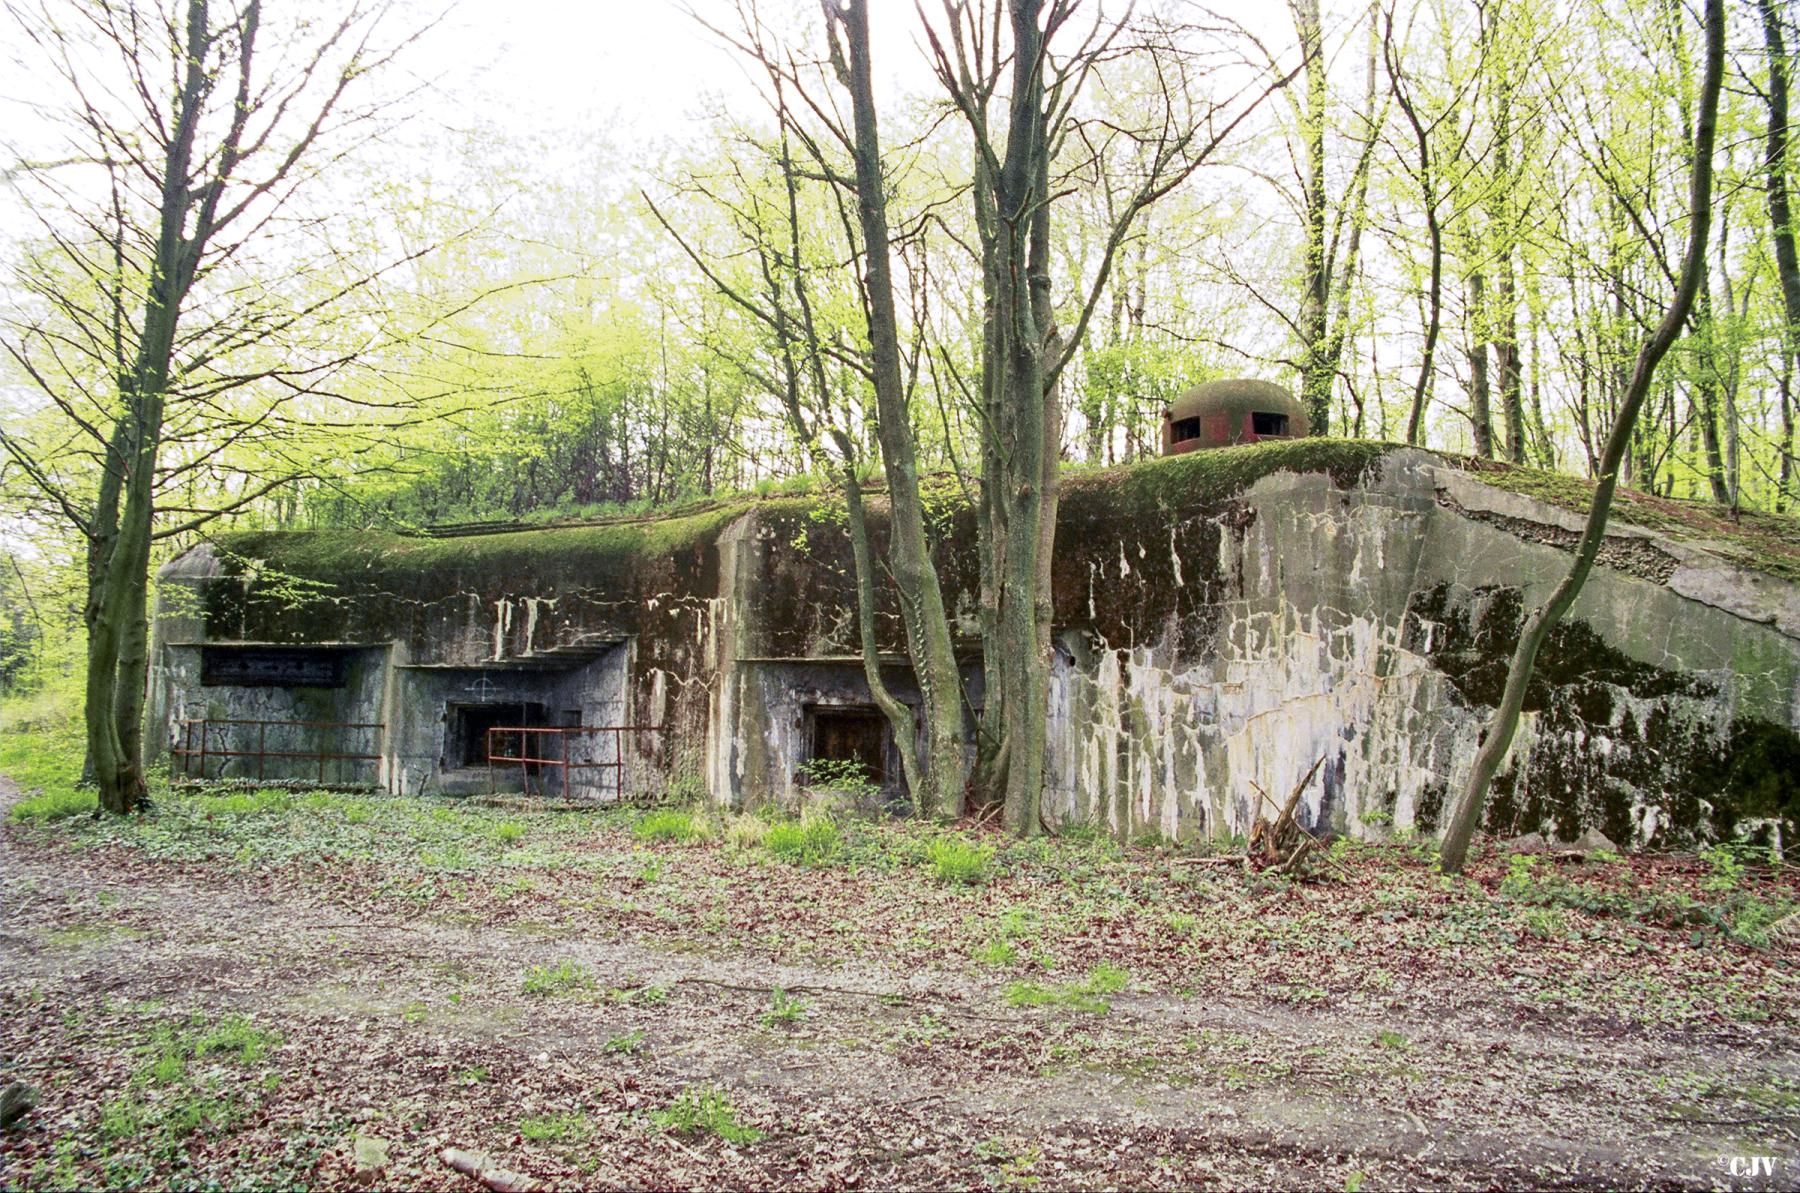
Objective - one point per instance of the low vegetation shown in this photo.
(565, 977)
(665, 826)
(958, 862)
(813, 840)
(705, 1110)
(1062, 958)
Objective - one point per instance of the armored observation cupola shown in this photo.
(1226, 413)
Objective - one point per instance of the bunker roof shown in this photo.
(1237, 397)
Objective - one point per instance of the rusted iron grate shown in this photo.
(541, 747)
(198, 747)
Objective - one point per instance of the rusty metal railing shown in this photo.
(187, 753)
(559, 754)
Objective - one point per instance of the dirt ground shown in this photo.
(200, 1015)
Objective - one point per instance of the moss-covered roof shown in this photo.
(341, 554)
(618, 547)
(1755, 539)
(1209, 477)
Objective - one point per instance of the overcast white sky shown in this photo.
(637, 72)
(647, 62)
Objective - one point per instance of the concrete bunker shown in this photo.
(542, 727)
(261, 712)
(1222, 621)
(1227, 413)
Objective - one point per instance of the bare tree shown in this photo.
(156, 299)
(1498, 737)
(1017, 87)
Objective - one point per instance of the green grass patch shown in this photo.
(1031, 994)
(957, 862)
(810, 841)
(555, 1128)
(1105, 978)
(999, 953)
(565, 977)
(55, 804)
(236, 1038)
(1085, 995)
(707, 1109)
(666, 825)
(42, 750)
(180, 1088)
(248, 803)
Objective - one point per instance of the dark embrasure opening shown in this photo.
(851, 735)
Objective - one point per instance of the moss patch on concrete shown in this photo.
(1205, 478)
(328, 585)
(325, 555)
(1755, 539)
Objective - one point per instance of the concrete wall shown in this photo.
(1222, 620)
(1371, 627)
(181, 697)
(594, 694)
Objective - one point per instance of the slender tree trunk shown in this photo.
(1434, 291)
(1546, 447)
(930, 643)
(993, 749)
(1316, 373)
(1498, 736)
(1733, 372)
(1479, 414)
(1706, 397)
(1505, 321)
(1354, 217)
(1781, 227)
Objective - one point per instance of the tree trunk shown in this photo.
(134, 655)
(117, 625)
(1479, 414)
(1434, 292)
(929, 640)
(1316, 373)
(1498, 736)
(1022, 416)
(1706, 402)
(1505, 322)
(1781, 226)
